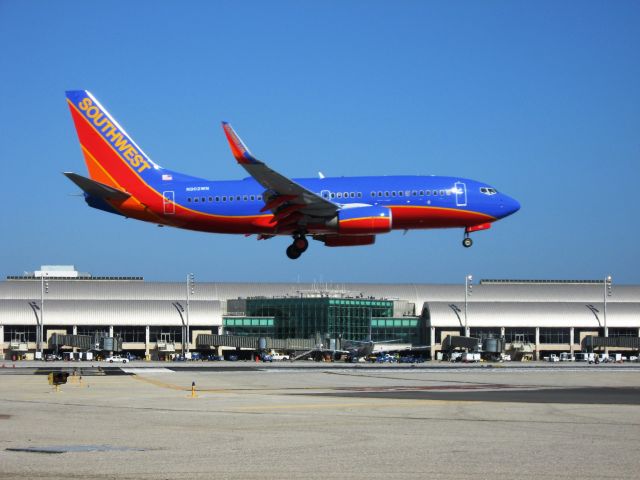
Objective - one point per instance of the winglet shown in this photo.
(238, 148)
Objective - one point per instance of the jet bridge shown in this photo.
(591, 341)
(451, 342)
(254, 343)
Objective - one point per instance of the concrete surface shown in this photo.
(322, 423)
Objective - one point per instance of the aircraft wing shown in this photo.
(283, 196)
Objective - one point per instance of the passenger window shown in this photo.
(428, 193)
(253, 197)
(333, 195)
(217, 199)
(373, 194)
(442, 193)
(224, 199)
(353, 195)
(230, 198)
(386, 194)
(211, 199)
(245, 198)
(359, 194)
(339, 195)
(259, 197)
(379, 194)
(421, 192)
(238, 198)
(400, 194)
(414, 193)
(189, 199)
(195, 199)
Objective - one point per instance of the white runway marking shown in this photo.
(147, 371)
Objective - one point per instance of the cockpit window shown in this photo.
(488, 190)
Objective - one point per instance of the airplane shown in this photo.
(339, 211)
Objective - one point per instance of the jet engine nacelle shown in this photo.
(348, 241)
(368, 220)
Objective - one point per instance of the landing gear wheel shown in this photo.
(292, 252)
(467, 242)
(301, 243)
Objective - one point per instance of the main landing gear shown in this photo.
(298, 247)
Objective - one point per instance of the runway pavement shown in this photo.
(321, 422)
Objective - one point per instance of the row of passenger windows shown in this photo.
(401, 193)
(246, 198)
(225, 198)
(411, 193)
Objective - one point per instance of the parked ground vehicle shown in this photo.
(116, 358)
(279, 356)
(386, 358)
(455, 356)
(411, 359)
(470, 357)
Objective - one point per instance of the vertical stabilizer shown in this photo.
(111, 155)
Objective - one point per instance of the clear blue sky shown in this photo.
(540, 99)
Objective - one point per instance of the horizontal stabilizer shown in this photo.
(97, 189)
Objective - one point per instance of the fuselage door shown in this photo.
(461, 194)
(168, 203)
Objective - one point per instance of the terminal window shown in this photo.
(19, 333)
(554, 335)
(520, 334)
(623, 332)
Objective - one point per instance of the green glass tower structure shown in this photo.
(321, 317)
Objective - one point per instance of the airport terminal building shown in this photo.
(152, 318)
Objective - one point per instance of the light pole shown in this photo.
(180, 310)
(607, 293)
(595, 312)
(468, 287)
(44, 288)
(457, 311)
(34, 306)
(191, 284)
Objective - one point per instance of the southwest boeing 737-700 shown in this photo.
(339, 212)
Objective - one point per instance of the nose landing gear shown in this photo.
(298, 247)
(467, 242)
